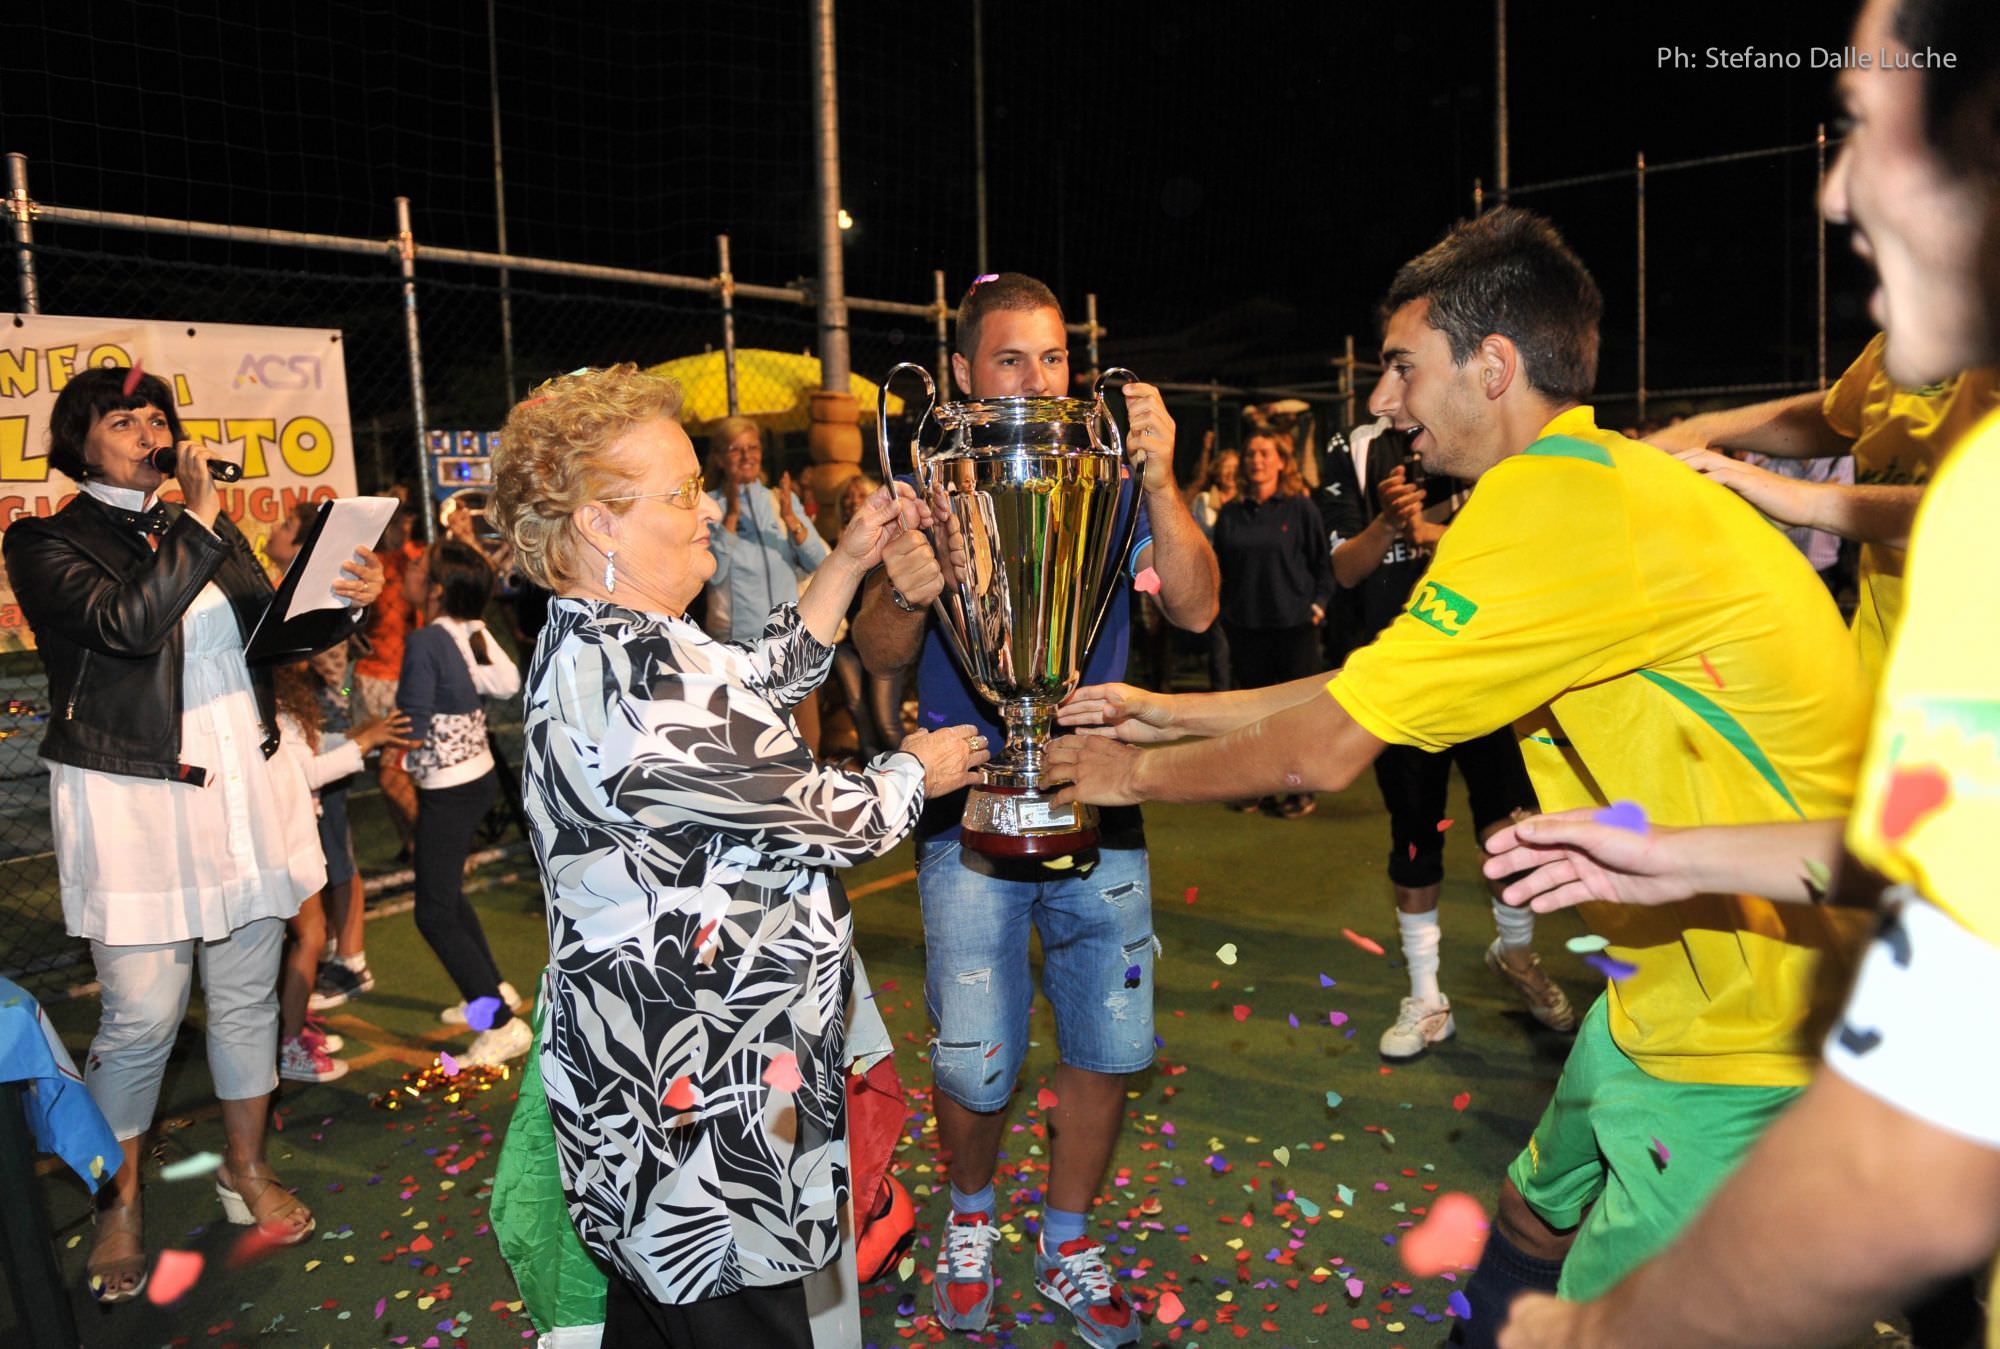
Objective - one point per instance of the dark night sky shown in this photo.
(1236, 182)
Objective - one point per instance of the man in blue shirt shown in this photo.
(1095, 922)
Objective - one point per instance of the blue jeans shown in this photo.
(1097, 967)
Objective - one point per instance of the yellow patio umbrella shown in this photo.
(775, 387)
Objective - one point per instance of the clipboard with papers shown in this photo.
(305, 615)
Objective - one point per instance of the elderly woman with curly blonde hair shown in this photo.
(689, 847)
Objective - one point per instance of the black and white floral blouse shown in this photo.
(698, 938)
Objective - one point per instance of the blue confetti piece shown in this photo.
(1458, 1306)
(1325, 982)
(1627, 815)
(1333, 1099)
(479, 1013)
(1306, 1206)
(1293, 1018)
(1610, 967)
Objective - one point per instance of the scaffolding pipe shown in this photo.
(21, 207)
(1500, 146)
(1091, 331)
(979, 128)
(406, 253)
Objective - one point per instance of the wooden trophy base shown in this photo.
(1019, 822)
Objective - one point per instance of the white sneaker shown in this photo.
(454, 1015)
(500, 1045)
(1419, 1025)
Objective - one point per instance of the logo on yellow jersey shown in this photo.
(1442, 607)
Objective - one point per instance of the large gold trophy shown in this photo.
(1023, 496)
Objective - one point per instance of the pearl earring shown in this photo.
(611, 572)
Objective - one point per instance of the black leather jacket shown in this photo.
(106, 610)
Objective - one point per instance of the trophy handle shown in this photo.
(1112, 590)
(916, 437)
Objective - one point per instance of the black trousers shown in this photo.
(755, 1318)
(1414, 783)
(1261, 657)
(447, 819)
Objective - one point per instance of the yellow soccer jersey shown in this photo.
(1929, 806)
(1900, 437)
(1653, 639)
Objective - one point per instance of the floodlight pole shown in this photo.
(725, 284)
(405, 244)
(500, 205)
(834, 362)
(1500, 100)
(979, 126)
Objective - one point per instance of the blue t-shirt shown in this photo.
(945, 697)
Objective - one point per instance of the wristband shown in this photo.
(896, 598)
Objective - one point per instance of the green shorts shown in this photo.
(1592, 1159)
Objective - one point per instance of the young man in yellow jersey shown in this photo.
(1650, 638)
(1898, 435)
(1885, 1178)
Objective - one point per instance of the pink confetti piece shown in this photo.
(1192, 890)
(1240, 1012)
(1147, 582)
(783, 1074)
(173, 1274)
(982, 280)
(480, 1012)
(1046, 1099)
(448, 1063)
(1660, 1151)
(1170, 1308)
(1451, 1237)
(1336, 1018)
(381, 1305)
(132, 378)
(1356, 1288)
(680, 1095)
(1610, 967)
(1627, 815)
(1445, 824)
(1461, 1101)
(1368, 944)
(1710, 670)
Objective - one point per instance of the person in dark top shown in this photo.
(1277, 579)
(1384, 514)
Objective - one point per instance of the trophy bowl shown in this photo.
(1023, 496)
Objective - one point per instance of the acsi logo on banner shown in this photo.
(279, 372)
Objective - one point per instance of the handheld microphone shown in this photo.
(221, 470)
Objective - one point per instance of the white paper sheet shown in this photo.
(356, 522)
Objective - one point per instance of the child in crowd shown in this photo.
(305, 1053)
(343, 969)
(450, 665)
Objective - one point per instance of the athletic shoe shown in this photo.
(336, 984)
(962, 1283)
(1297, 807)
(315, 1032)
(1077, 1277)
(1545, 1002)
(300, 1060)
(500, 1045)
(454, 1015)
(1419, 1025)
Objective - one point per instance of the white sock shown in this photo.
(356, 962)
(1516, 926)
(1421, 935)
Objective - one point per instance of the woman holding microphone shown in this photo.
(160, 735)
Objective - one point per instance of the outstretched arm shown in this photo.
(1784, 428)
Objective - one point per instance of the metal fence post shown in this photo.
(1092, 331)
(1642, 286)
(1478, 198)
(943, 334)
(725, 285)
(500, 205)
(1819, 219)
(21, 207)
(406, 252)
(1347, 384)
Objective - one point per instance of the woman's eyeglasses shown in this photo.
(687, 496)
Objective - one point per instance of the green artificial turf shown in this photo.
(1227, 1185)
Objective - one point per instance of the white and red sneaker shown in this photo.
(1077, 1277)
(962, 1283)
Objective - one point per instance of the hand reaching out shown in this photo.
(1569, 858)
(1121, 711)
(950, 756)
